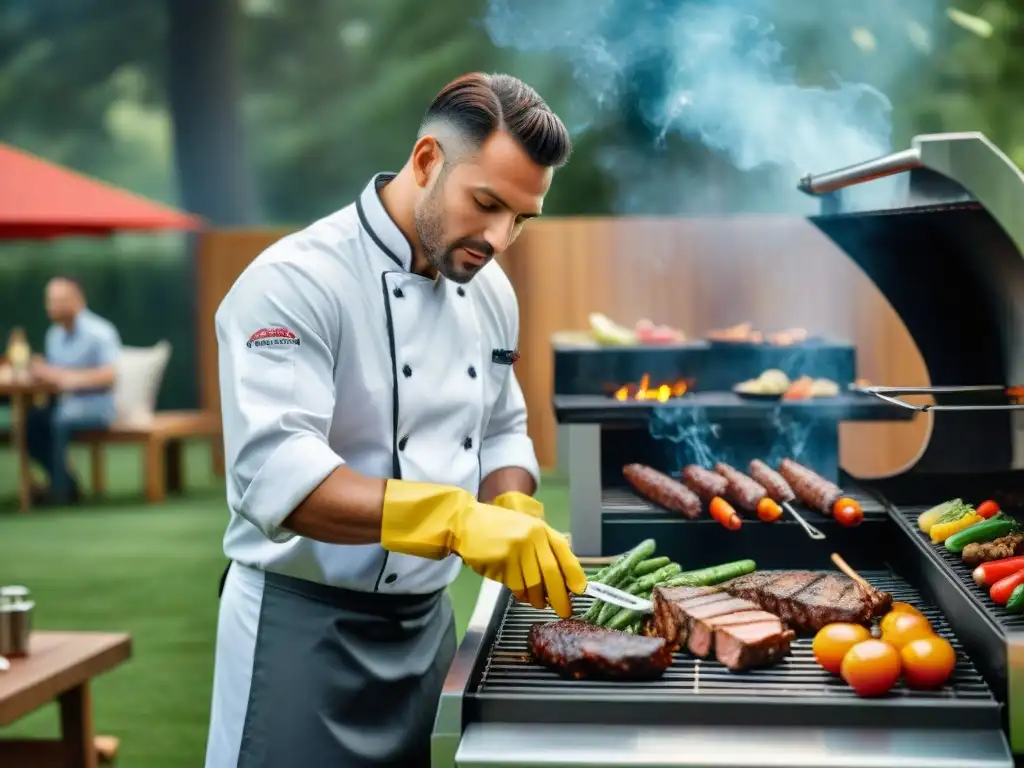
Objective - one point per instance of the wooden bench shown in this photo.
(162, 440)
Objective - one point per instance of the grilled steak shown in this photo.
(707, 619)
(581, 651)
(808, 600)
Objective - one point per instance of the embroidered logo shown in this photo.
(272, 337)
(504, 356)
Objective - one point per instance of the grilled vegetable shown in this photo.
(768, 511)
(1002, 589)
(847, 512)
(928, 518)
(619, 573)
(987, 574)
(716, 574)
(651, 565)
(1016, 602)
(958, 517)
(986, 530)
(987, 509)
(722, 512)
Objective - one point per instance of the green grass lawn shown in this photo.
(152, 571)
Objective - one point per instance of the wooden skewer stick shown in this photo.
(843, 566)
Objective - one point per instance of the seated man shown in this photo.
(81, 353)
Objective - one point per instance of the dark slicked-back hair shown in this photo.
(478, 104)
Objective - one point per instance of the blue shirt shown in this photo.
(92, 342)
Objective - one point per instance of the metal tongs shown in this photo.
(893, 394)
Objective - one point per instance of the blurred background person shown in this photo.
(80, 358)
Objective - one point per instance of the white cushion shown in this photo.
(140, 372)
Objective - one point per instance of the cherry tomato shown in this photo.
(899, 607)
(768, 510)
(847, 512)
(906, 628)
(927, 662)
(722, 512)
(897, 610)
(833, 641)
(871, 667)
(987, 509)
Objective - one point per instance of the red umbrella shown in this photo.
(39, 199)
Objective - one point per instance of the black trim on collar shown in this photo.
(373, 235)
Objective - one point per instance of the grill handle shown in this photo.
(869, 170)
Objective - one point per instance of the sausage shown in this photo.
(778, 489)
(663, 490)
(742, 491)
(812, 489)
(705, 483)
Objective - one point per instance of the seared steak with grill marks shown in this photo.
(581, 651)
(707, 619)
(808, 600)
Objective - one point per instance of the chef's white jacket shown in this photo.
(332, 352)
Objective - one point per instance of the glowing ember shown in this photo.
(644, 391)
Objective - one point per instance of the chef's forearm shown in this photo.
(506, 479)
(346, 508)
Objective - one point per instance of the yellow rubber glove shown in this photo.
(520, 502)
(519, 550)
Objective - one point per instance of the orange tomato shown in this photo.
(905, 628)
(897, 610)
(871, 667)
(905, 608)
(927, 662)
(832, 642)
(768, 511)
(847, 512)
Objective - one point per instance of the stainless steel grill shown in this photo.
(509, 672)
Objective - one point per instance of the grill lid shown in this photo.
(939, 228)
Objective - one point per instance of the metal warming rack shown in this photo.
(955, 223)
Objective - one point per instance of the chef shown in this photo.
(375, 437)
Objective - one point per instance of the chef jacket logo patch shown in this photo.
(272, 337)
(504, 356)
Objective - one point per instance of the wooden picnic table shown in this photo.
(22, 392)
(59, 667)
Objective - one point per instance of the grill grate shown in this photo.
(958, 570)
(509, 671)
(623, 499)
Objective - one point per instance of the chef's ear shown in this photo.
(427, 160)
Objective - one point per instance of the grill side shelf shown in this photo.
(513, 688)
(980, 624)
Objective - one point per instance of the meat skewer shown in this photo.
(749, 494)
(711, 487)
(780, 491)
(663, 490)
(818, 493)
(704, 482)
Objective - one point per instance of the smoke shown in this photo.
(717, 73)
(691, 433)
(695, 439)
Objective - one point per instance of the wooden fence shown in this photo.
(695, 274)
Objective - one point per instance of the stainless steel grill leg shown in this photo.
(583, 457)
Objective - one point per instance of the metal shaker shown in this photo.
(15, 620)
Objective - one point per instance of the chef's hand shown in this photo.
(520, 502)
(519, 550)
